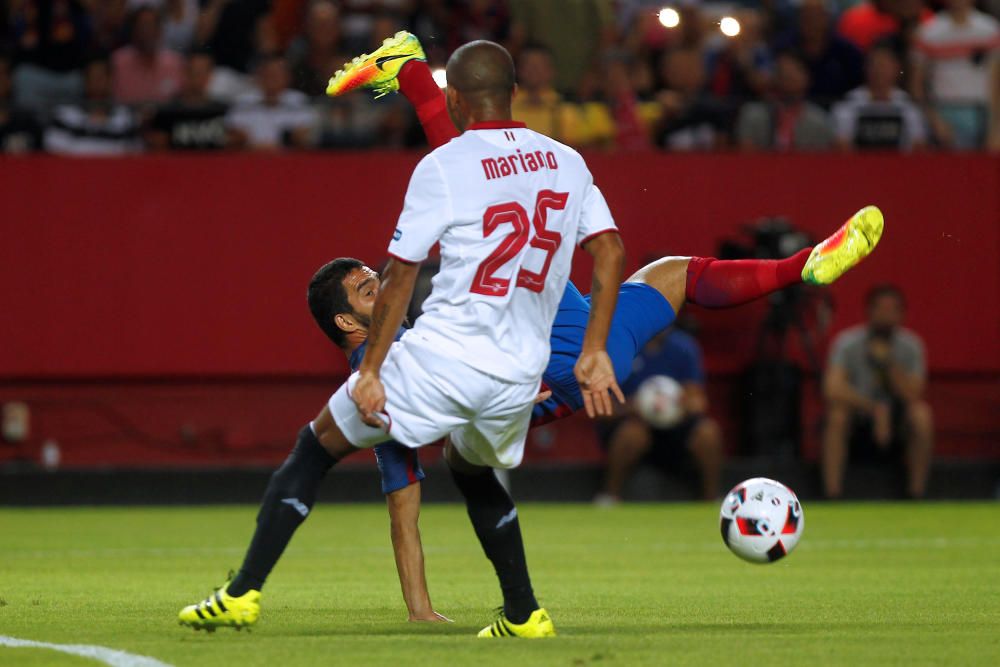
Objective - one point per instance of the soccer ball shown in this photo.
(659, 401)
(761, 520)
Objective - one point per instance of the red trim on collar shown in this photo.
(496, 125)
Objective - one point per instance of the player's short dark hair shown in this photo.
(328, 298)
(482, 69)
(880, 290)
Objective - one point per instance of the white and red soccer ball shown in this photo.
(761, 520)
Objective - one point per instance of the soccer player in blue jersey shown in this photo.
(342, 293)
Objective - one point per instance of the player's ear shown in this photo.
(346, 322)
(514, 91)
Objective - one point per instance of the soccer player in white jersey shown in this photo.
(507, 206)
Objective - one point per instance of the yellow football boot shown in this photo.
(221, 610)
(538, 625)
(378, 70)
(854, 241)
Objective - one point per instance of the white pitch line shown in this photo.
(108, 656)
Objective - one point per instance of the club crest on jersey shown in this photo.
(398, 234)
(518, 163)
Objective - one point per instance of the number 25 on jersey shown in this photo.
(485, 281)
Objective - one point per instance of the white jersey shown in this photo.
(508, 206)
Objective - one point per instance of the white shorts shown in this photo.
(429, 396)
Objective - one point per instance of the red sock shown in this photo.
(417, 84)
(717, 283)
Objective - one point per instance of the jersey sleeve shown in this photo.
(426, 212)
(595, 216)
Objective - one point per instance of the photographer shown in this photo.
(874, 386)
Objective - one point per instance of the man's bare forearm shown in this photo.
(404, 515)
(389, 312)
(609, 260)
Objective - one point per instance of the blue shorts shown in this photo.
(398, 465)
(641, 314)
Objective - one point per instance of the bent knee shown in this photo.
(668, 276)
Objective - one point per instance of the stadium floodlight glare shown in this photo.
(440, 77)
(729, 26)
(669, 17)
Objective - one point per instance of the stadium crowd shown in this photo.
(124, 76)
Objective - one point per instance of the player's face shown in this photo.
(362, 287)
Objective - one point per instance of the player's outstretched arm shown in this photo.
(404, 516)
(594, 370)
(387, 316)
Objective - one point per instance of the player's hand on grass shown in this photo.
(431, 617)
(369, 395)
(596, 376)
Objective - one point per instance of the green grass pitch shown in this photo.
(880, 584)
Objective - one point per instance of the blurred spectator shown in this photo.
(790, 121)
(874, 386)
(576, 33)
(691, 119)
(696, 442)
(273, 116)
(50, 39)
(98, 126)
(538, 104)
(957, 73)
(867, 22)
(19, 131)
(835, 65)
(144, 71)
(193, 120)
(631, 118)
(911, 14)
(235, 31)
(592, 104)
(444, 25)
(180, 20)
(358, 121)
(879, 115)
(743, 67)
(361, 18)
(315, 55)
